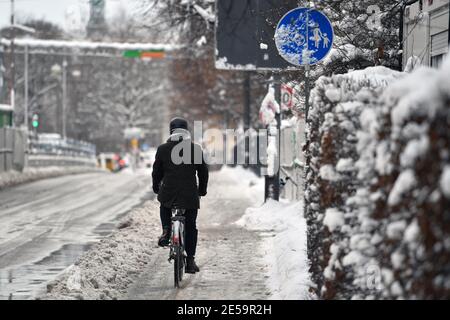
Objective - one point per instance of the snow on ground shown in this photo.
(129, 257)
(247, 183)
(284, 246)
(12, 178)
(231, 263)
(128, 264)
(141, 171)
(106, 271)
(283, 229)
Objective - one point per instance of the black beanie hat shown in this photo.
(178, 123)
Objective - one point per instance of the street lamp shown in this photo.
(13, 27)
(56, 71)
(26, 54)
(76, 73)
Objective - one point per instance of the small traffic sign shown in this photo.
(304, 36)
(286, 97)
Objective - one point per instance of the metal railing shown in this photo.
(53, 150)
(17, 151)
(55, 145)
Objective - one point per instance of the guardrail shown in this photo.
(17, 151)
(53, 150)
(53, 144)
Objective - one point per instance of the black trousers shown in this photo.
(191, 232)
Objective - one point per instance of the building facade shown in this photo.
(426, 32)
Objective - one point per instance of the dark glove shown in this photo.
(202, 193)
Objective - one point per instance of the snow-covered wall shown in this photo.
(377, 200)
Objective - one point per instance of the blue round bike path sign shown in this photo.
(304, 36)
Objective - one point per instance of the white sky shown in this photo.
(65, 13)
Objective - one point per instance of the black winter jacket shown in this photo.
(177, 182)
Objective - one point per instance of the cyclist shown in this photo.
(177, 163)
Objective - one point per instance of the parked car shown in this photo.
(110, 161)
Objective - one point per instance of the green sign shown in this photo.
(142, 54)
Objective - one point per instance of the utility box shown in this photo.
(6, 116)
(426, 32)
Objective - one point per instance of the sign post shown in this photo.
(245, 41)
(304, 37)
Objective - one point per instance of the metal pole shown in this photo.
(247, 101)
(276, 182)
(247, 107)
(400, 37)
(307, 67)
(448, 30)
(402, 31)
(13, 67)
(26, 88)
(307, 70)
(307, 94)
(307, 153)
(307, 90)
(64, 97)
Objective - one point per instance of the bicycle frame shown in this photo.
(178, 219)
(177, 244)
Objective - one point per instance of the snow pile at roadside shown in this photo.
(247, 183)
(106, 270)
(284, 231)
(12, 178)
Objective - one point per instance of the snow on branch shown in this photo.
(205, 13)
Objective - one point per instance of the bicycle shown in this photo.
(176, 245)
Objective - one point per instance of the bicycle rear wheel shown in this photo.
(178, 266)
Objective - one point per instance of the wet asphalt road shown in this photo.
(46, 225)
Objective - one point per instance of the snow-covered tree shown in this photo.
(367, 32)
(121, 93)
(190, 21)
(105, 94)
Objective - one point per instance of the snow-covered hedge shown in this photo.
(378, 185)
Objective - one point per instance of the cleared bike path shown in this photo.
(231, 265)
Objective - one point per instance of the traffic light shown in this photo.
(35, 121)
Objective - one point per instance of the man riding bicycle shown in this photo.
(177, 164)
